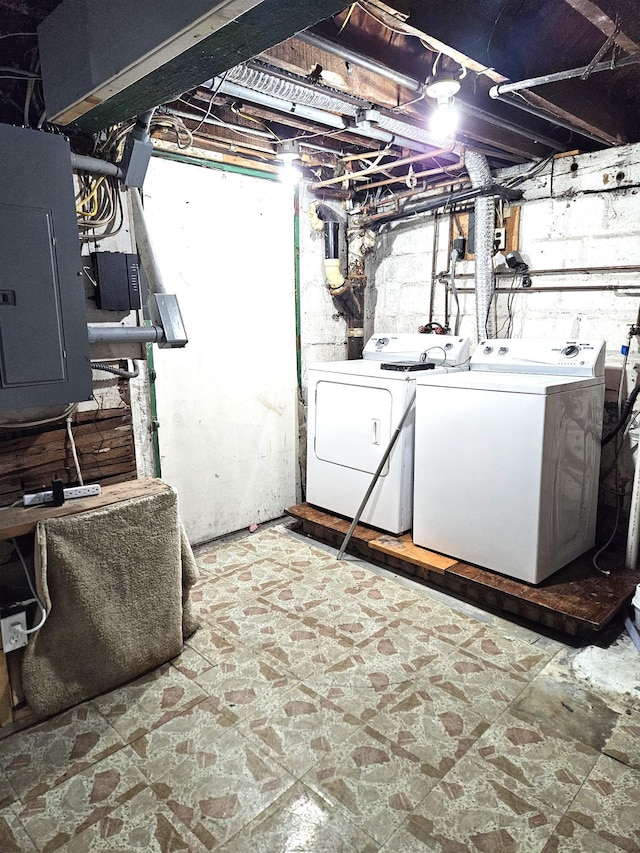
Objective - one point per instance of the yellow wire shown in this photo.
(346, 20)
(92, 196)
(255, 121)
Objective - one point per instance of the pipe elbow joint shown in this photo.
(335, 280)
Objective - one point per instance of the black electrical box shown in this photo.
(117, 278)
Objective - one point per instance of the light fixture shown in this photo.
(288, 151)
(442, 86)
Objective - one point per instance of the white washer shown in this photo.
(507, 456)
(353, 409)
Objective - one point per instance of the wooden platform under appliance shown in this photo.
(577, 600)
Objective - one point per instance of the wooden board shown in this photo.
(576, 600)
(16, 521)
(403, 547)
(6, 701)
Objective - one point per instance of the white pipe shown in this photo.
(633, 534)
(144, 245)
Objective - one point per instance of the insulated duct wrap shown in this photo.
(385, 128)
(480, 176)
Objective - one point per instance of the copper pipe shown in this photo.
(402, 178)
(372, 170)
(368, 155)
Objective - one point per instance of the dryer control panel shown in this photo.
(540, 355)
(448, 350)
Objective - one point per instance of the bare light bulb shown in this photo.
(444, 119)
(289, 174)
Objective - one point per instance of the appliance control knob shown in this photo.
(488, 350)
(448, 346)
(571, 351)
(503, 350)
(382, 342)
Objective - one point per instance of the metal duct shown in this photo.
(478, 170)
(296, 99)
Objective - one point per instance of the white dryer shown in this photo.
(508, 454)
(354, 408)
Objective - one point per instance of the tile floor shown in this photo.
(329, 707)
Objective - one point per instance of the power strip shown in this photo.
(39, 498)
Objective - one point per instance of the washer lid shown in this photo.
(514, 383)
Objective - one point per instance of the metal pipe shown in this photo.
(373, 170)
(97, 167)
(144, 245)
(361, 61)
(428, 173)
(580, 288)
(102, 333)
(414, 85)
(532, 82)
(566, 270)
(314, 114)
(376, 476)
(478, 170)
(525, 106)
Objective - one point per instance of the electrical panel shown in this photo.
(44, 344)
(117, 277)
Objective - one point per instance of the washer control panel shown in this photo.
(539, 355)
(448, 350)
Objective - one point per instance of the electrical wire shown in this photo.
(44, 615)
(74, 452)
(43, 422)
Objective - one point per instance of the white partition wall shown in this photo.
(227, 401)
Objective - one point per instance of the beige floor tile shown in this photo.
(39, 758)
(608, 804)
(243, 679)
(307, 647)
(7, 793)
(372, 781)
(191, 663)
(222, 557)
(298, 728)
(218, 800)
(624, 743)
(300, 822)
(70, 808)
(549, 766)
(432, 725)
(376, 675)
(212, 643)
(148, 702)
(487, 688)
(13, 836)
(256, 622)
(508, 652)
(142, 824)
(473, 810)
(191, 734)
(279, 545)
(571, 837)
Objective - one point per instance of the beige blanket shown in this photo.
(116, 584)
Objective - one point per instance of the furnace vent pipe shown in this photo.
(95, 166)
(478, 170)
(102, 333)
(144, 245)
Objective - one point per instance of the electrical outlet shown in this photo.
(500, 239)
(12, 637)
(39, 498)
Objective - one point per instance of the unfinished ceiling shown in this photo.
(353, 85)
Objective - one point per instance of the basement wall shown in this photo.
(579, 212)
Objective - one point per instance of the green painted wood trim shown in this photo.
(296, 275)
(212, 164)
(154, 411)
(268, 24)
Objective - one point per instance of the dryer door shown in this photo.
(353, 425)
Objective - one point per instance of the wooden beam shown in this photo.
(596, 16)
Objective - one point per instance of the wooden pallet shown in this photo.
(576, 600)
